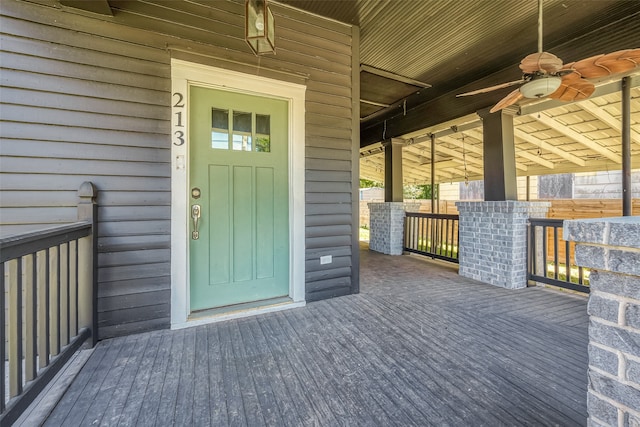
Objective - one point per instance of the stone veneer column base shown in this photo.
(386, 227)
(611, 248)
(493, 240)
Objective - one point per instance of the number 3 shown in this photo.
(180, 137)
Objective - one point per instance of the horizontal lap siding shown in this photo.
(78, 107)
(87, 98)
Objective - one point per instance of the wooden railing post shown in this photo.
(88, 262)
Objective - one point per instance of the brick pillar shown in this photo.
(493, 240)
(610, 247)
(386, 227)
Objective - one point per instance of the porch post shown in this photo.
(433, 173)
(499, 156)
(626, 146)
(393, 170)
(88, 262)
(610, 247)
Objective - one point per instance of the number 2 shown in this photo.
(180, 102)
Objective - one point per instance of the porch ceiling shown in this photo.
(576, 137)
(457, 46)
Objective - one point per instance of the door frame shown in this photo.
(183, 75)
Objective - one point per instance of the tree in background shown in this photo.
(419, 191)
(366, 183)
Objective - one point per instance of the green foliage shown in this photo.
(365, 183)
(419, 191)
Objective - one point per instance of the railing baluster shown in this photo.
(73, 288)
(2, 339)
(567, 258)
(30, 348)
(64, 294)
(15, 327)
(43, 308)
(532, 248)
(438, 238)
(556, 266)
(54, 292)
(415, 225)
(544, 249)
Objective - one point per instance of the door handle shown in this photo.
(195, 216)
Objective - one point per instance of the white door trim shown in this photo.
(183, 75)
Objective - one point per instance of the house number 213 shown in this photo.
(178, 119)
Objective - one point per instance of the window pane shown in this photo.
(263, 133)
(219, 128)
(242, 142)
(241, 121)
(219, 140)
(242, 131)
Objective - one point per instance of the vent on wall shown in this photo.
(96, 6)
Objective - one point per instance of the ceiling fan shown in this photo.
(545, 76)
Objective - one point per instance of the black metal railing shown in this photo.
(550, 258)
(48, 283)
(433, 235)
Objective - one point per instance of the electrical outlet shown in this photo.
(327, 259)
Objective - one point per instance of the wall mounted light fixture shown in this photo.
(259, 27)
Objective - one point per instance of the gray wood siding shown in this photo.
(87, 98)
(72, 113)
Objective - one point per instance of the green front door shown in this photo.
(239, 188)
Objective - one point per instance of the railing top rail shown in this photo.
(431, 215)
(546, 221)
(18, 245)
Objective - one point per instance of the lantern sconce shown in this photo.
(259, 27)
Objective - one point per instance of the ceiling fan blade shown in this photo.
(492, 88)
(510, 99)
(600, 66)
(620, 62)
(541, 61)
(573, 90)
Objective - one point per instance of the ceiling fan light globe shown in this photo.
(540, 87)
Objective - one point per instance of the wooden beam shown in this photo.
(393, 76)
(374, 169)
(549, 147)
(473, 148)
(577, 137)
(534, 158)
(601, 114)
(519, 152)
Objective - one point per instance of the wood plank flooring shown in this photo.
(418, 346)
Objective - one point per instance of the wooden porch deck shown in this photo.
(419, 346)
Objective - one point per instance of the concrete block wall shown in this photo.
(386, 227)
(493, 240)
(611, 248)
